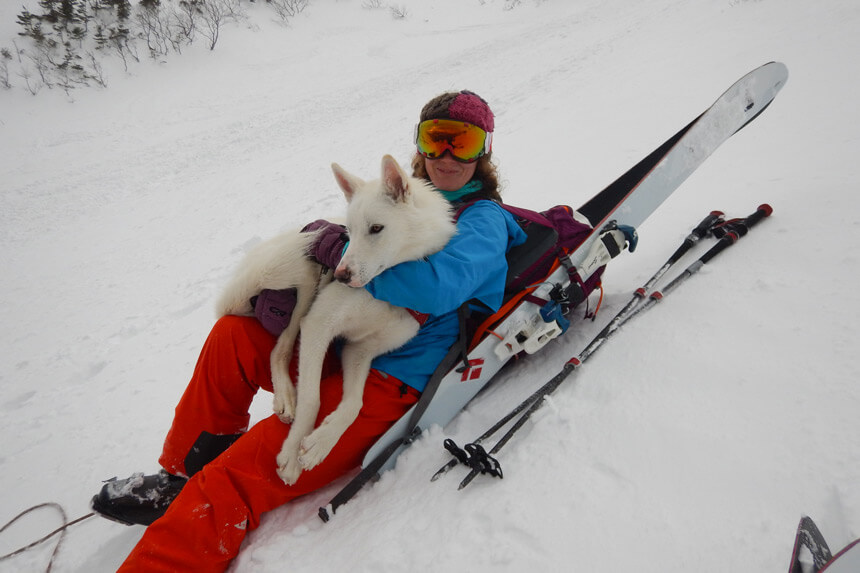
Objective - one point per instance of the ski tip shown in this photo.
(717, 214)
(781, 69)
(766, 209)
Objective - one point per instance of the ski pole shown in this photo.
(732, 233)
(738, 229)
(700, 231)
(697, 234)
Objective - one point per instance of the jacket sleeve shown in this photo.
(471, 265)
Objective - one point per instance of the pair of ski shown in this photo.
(480, 461)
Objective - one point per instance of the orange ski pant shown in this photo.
(205, 525)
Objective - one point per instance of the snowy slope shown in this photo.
(693, 442)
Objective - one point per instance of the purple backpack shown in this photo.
(551, 236)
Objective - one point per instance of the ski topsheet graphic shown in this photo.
(629, 200)
(811, 553)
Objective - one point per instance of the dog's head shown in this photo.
(390, 220)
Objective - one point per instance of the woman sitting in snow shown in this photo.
(218, 476)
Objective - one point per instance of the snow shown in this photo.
(694, 440)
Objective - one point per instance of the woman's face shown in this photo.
(448, 174)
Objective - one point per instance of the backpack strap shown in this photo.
(509, 305)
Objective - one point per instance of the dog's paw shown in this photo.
(284, 407)
(289, 467)
(284, 402)
(317, 445)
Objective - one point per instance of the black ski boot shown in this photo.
(142, 499)
(139, 499)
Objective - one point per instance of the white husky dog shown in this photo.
(390, 220)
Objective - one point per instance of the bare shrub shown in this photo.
(5, 58)
(97, 73)
(214, 14)
(286, 9)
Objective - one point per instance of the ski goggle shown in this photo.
(466, 142)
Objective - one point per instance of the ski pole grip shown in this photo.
(724, 243)
(737, 231)
(697, 234)
(764, 210)
(702, 229)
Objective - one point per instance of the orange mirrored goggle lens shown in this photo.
(464, 141)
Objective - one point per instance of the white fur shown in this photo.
(276, 264)
(391, 220)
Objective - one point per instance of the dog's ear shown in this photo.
(394, 179)
(348, 182)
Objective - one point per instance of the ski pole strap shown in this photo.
(703, 228)
(741, 226)
(698, 233)
(764, 210)
(732, 231)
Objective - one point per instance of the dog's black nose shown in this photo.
(344, 275)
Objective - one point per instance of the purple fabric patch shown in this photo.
(274, 308)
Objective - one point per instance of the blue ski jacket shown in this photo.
(471, 266)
